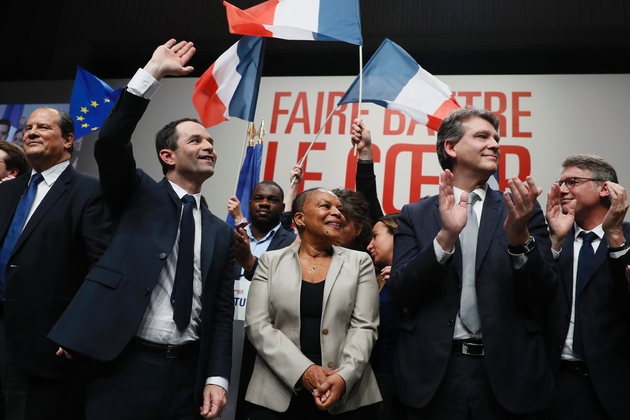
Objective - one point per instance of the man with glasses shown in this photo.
(589, 321)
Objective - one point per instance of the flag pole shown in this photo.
(360, 86)
(313, 142)
(250, 125)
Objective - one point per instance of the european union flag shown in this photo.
(92, 99)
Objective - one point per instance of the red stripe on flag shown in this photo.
(446, 108)
(250, 21)
(209, 106)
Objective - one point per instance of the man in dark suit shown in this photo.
(470, 343)
(157, 310)
(589, 320)
(13, 161)
(264, 233)
(54, 226)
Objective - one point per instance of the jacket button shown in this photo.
(325, 331)
(560, 347)
(162, 255)
(146, 292)
(451, 322)
(330, 365)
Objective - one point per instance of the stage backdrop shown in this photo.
(544, 118)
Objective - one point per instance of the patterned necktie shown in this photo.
(181, 298)
(585, 259)
(11, 238)
(469, 312)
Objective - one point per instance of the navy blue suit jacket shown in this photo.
(508, 300)
(109, 307)
(64, 238)
(605, 307)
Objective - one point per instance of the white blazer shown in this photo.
(348, 327)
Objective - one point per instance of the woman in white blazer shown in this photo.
(312, 315)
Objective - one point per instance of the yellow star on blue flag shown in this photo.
(91, 101)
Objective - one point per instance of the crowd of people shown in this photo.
(117, 292)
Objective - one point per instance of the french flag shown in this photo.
(393, 79)
(229, 88)
(310, 20)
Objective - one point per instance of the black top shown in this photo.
(311, 302)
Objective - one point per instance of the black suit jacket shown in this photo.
(605, 307)
(281, 239)
(508, 301)
(64, 238)
(109, 307)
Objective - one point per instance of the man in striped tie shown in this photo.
(589, 320)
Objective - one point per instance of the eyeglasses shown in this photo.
(574, 181)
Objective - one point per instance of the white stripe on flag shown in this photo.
(226, 77)
(415, 94)
(299, 14)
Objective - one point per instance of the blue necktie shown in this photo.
(181, 298)
(584, 264)
(15, 228)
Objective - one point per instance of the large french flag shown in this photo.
(310, 20)
(393, 79)
(229, 88)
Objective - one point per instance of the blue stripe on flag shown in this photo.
(248, 179)
(384, 76)
(243, 103)
(339, 20)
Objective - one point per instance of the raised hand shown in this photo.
(362, 139)
(560, 224)
(234, 208)
(170, 59)
(613, 221)
(520, 207)
(242, 250)
(454, 216)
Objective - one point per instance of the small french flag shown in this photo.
(310, 20)
(393, 79)
(229, 88)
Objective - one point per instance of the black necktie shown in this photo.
(15, 228)
(584, 264)
(181, 298)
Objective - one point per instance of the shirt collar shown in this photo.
(51, 174)
(598, 230)
(182, 192)
(481, 192)
(269, 234)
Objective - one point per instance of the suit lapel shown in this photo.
(277, 238)
(490, 217)
(11, 193)
(565, 265)
(333, 272)
(208, 234)
(57, 190)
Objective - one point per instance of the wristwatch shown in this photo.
(625, 245)
(526, 248)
